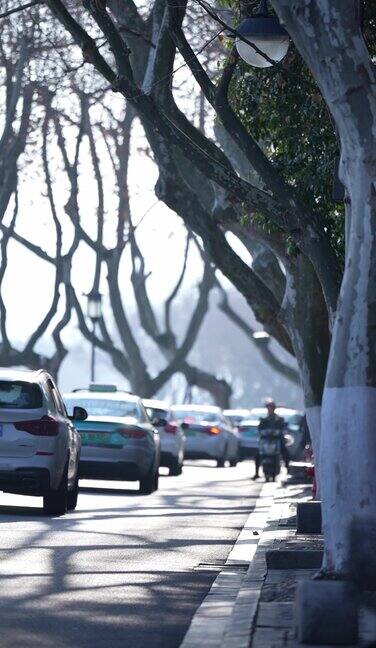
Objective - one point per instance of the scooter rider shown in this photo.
(272, 422)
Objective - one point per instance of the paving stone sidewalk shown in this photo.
(250, 605)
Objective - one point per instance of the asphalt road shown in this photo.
(121, 571)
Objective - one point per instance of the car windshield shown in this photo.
(15, 394)
(249, 427)
(157, 413)
(194, 416)
(103, 407)
(234, 418)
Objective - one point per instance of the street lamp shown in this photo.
(94, 313)
(267, 34)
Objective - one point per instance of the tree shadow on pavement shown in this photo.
(115, 576)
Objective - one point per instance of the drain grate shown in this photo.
(218, 565)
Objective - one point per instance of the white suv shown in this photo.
(39, 446)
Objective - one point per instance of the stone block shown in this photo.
(326, 613)
(308, 517)
(294, 558)
(362, 552)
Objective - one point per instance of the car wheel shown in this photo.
(156, 480)
(55, 502)
(222, 460)
(233, 463)
(175, 467)
(73, 496)
(149, 483)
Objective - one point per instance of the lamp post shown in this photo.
(266, 33)
(94, 313)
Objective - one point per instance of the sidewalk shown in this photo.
(250, 604)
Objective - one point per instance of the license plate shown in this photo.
(103, 439)
(190, 433)
(93, 438)
(249, 434)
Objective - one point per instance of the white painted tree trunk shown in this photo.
(348, 467)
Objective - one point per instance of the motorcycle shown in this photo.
(270, 453)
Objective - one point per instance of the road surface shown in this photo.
(121, 571)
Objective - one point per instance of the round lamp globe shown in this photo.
(268, 36)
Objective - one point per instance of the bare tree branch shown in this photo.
(263, 346)
(9, 12)
(174, 292)
(3, 266)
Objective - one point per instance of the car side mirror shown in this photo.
(184, 425)
(79, 414)
(159, 422)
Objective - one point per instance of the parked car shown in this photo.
(39, 445)
(118, 440)
(248, 438)
(294, 434)
(171, 434)
(236, 415)
(209, 434)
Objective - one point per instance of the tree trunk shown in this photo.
(305, 316)
(328, 35)
(348, 448)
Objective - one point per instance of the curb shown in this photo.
(227, 613)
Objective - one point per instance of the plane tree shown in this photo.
(204, 185)
(117, 144)
(134, 52)
(328, 37)
(137, 58)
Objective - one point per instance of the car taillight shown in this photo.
(213, 429)
(171, 428)
(46, 426)
(132, 433)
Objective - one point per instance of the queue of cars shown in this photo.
(101, 432)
